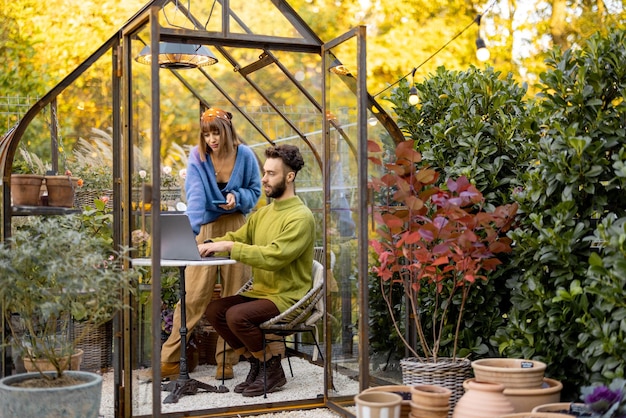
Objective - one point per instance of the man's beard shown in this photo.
(278, 190)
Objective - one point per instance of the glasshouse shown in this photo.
(463, 248)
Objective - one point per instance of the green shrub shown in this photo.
(576, 179)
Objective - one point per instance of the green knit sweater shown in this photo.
(277, 241)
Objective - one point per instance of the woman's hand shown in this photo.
(230, 202)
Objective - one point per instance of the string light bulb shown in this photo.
(413, 97)
(482, 53)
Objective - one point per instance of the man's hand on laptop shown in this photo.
(207, 249)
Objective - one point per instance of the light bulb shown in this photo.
(482, 53)
(372, 121)
(413, 97)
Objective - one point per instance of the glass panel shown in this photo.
(191, 14)
(262, 19)
(74, 131)
(140, 170)
(384, 370)
(342, 232)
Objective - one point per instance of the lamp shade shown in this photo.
(178, 56)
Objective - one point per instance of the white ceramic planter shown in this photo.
(402, 390)
(378, 405)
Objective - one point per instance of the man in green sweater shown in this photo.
(277, 241)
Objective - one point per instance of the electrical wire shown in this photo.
(412, 72)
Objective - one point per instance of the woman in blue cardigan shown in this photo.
(223, 185)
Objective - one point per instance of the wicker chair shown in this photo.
(299, 318)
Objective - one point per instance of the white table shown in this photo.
(184, 385)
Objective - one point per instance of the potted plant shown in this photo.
(58, 271)
(26, 179)
(437, 245)
(62, 189)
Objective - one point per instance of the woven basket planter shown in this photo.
(168, 194)
(97, 346)
(85, 197)
(445, 372)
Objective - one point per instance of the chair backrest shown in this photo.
(317, 311)
(307, 311)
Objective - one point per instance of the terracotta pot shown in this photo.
(431, 396)
(482, 400)
(430, 401)
(378, 405)
(25, 189)
(425, 411)
(571, 408)
(524, 400)
(44, 365)
(61, 190)
(402, 390)
(512, 373)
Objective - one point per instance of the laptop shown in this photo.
(178, 242)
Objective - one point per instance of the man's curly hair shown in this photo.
(290, 154)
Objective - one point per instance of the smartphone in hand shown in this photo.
(219, 202)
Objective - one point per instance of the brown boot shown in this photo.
(224, 371)
(168, 371)
(255, 366)
(273, 371)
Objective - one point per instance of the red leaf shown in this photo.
(441, 261)
(414, 203)
(406, 151)
(373, 146)
(426, 176)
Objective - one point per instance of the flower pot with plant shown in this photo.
(26, 179)
(62, 189)
(437, 244)
(56, 272)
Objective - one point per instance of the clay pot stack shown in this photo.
(430, 401)
(525, 385)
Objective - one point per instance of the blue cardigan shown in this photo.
(201, 187)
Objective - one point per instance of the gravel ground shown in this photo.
(312, 413)
(307, 383)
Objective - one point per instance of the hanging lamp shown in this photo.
(178, 56)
